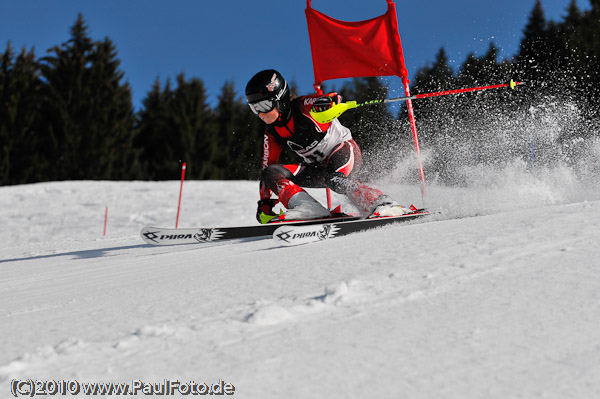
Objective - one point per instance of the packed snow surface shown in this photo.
(495, 296)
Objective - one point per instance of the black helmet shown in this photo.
(267, 90)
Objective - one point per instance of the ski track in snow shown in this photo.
(501, 305)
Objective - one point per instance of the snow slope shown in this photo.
(496, 297)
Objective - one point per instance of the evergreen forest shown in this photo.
(69, 115)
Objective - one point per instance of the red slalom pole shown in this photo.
(105, 219)
(415, 136)
(183, 167)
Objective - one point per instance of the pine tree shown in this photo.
(533, 57)
(573, 17)
(572, 44)
(88, 109)
(193, 121)
(113, 141)
(178, 126)
(439, 76)
(240, 137)
(441, 72)
(154, 138)
(5, 129)
(20, 140)
(481, 71)
(589, 79)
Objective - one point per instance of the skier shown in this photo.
(331, 158)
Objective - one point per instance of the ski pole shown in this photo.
(338, 109)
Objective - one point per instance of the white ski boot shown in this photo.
(303, 207)
(386, 206)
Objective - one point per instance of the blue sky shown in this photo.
(230, 40)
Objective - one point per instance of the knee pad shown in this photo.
(274, 173)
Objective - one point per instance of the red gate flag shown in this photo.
(367, 48)
(343, 49)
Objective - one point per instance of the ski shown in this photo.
(304, 234)
(168, 236)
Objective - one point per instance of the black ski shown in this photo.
(168, 236)
(302, 234)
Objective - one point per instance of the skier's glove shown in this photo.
(265, 208)
(324, 103)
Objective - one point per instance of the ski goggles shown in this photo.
(263, 106)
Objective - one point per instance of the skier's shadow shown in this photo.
(85, 254)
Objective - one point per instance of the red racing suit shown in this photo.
(330, 157)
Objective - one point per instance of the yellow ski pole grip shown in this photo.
(333, 112)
